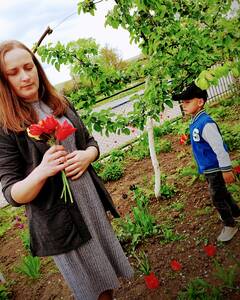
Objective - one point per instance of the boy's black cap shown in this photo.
(191, 92)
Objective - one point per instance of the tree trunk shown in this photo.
(153, 156)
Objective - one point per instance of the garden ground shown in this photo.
(189, 213)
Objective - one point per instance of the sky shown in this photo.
(26, 20)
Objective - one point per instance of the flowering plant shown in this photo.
(150, 278)
(210, 250)
(184, 139)
(151, 281)
(176, 265)
(237, 171)
(52, 132)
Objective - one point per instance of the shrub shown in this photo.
(231, 136)
(167, 191)
(112, 171)
(164, 129)
(164, 146)
(98, 166)
(116, 155)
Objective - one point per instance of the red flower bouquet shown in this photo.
(52, 132)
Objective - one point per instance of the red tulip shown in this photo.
(49, 125)
(151, 281)
(51, 131)
(210, 250)
(175, 265)
(183, 139)
(64, 130)
(35, 130)
(237, 169)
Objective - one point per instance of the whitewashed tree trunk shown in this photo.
(157, 187)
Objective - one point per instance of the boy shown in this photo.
(211, 157)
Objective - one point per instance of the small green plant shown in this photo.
(143, 224)
(167, 190)
(228, 276)
(188, 171)
(4, 292)
(112, 171)
(164, 146)
(168, 235)
(234, 189)
(24, 235)
(98, 166)
(218, 112)
(204, 211)
(231, 136)
(143, 263)
(163, 129)
(178, 206)
(140, 150)
(30, 266)
(7, 215)
(192, 172)
(199, 289)
(116, 155)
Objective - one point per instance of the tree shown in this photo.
(89, 68)
(182, 39)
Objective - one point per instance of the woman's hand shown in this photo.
(228, 177)
(54, 160)
(78, 161)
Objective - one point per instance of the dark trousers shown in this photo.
(222, 199)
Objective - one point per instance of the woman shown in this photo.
(78, 235)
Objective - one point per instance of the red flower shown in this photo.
(64, 130)
(237, 170)
(51, 131)
(183, 139)
(19, 225)
(151, 281)
(35, 130)
(49, 125)
(175, 265)
(210, 250)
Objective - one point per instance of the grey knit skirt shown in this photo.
(95, 266)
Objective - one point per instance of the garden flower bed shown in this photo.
(179, 237)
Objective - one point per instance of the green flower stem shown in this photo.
(66, 188)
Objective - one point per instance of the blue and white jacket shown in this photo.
(209, 150)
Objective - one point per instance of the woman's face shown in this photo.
(22, 74)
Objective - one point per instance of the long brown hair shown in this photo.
(16, 114)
